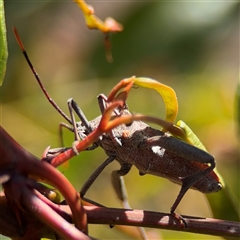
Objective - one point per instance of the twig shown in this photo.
(140, 218)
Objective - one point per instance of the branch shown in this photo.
(139, 218)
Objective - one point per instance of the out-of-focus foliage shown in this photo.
(93, 22)
(190, 46)
(3, 43)
(238, 106)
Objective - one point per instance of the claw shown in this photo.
(180, 218)
(49, 154)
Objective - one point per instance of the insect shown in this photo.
(150, 150)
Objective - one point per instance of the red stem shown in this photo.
(15, 157)
(50, 217)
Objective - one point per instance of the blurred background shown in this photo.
(191, 46)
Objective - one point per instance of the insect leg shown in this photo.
(102, 99)
(102, 104)
(187, 182)
(80, 114)
(92, 179)
(118, 183)
(61, 126)
(121, 191)
(72, 105)
(94, 176)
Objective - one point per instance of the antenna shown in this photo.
(54, 104)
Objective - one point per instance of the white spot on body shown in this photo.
(158, 150)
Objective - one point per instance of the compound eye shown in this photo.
(214, 187)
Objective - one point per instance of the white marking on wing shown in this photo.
(158, 150)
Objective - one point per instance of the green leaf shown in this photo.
(167, 93)
(223, 205)
(191, 136)
(238, 106)
(3, 43)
